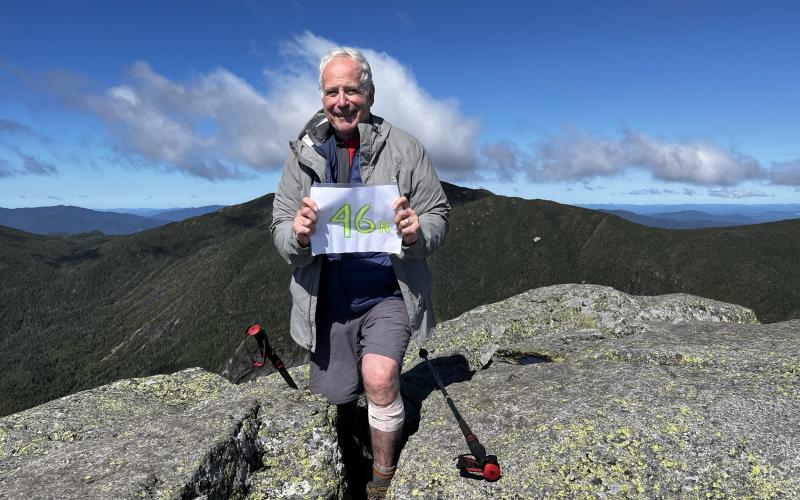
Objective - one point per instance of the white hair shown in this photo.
(365, 77)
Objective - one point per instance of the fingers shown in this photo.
(308, 202)
(403, 218)
(410, 232)
(407, 221)
(400, 203)
(304, 221)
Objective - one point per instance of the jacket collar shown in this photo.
(372, 136)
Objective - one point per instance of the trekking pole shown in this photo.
(478, 463)
(267, 352)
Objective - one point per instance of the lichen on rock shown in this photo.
(186, 435)
(580, 390)
(649, 397)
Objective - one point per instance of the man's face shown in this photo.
(345, 104)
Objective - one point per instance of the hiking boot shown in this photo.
(377, 488)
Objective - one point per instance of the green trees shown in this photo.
(80, 311)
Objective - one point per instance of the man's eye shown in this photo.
(353, 91)
(331, 93)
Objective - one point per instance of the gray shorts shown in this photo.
(384, 329)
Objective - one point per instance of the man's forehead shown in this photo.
(345, 86)
(341, 67)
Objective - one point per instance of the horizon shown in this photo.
(730, 204)
(181, 105)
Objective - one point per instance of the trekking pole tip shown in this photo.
(491, 472)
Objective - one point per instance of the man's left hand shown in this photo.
(406, 220)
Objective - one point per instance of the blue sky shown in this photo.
(167, 104)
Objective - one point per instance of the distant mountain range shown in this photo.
(75, 220)
(63, 219)
(700, 215)
(79, 311)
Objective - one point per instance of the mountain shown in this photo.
(688, 219)
(80, 311)
(63, 219)
(785, 210)
(75, 220)
(724, 219)
(177, 214)
(701, 215)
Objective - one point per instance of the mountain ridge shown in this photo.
(68, 219)
(80, 311)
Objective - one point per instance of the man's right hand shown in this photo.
(304, 222)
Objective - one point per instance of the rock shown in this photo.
(579, 390)
(642, 396)
(186, 435)
(561, 317)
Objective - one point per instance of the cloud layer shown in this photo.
(26, 164)
(218, 125)
(786, 173)
(736, 193)
(576, 155)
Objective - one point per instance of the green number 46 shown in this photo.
(361, 223)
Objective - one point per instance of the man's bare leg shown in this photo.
(381, 377)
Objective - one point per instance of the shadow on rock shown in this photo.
(418, 383)
(352, 425)
(352, 431)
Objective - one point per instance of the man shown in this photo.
(358, 311)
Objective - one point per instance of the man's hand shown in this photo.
(406, 220)
(304, 222)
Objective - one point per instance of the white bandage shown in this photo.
(387, 418)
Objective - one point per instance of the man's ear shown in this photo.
(372, 95)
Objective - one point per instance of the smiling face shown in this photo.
(344, 102)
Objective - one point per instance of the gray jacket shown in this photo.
(389, 155)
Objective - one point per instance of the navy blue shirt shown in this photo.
(351, 283)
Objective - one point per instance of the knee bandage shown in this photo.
(387, 418)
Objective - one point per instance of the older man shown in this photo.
(356, 312)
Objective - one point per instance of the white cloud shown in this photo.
(647, 191)
(32, 166)
(575, 155)
(701, 163)
(787, 172)
(505, 158)
(218, 125)
(29, 165)
(736, 193)
(6, 170)
(448, 135)
(13, 127)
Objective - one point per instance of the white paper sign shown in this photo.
(354, 219)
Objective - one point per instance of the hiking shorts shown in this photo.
(335, 364)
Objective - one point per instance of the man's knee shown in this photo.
(387, 418)
(381, 377)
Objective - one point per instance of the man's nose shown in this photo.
(341, 99)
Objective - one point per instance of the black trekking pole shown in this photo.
(267, 352)
(479, 464)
